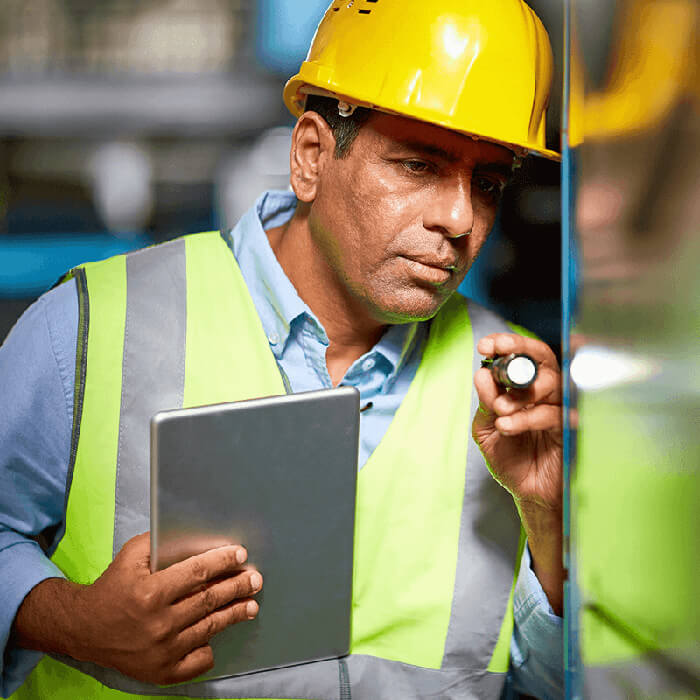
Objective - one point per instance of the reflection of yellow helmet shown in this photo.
(480, 67)
(652, 69)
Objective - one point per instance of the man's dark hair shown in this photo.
(345, 129)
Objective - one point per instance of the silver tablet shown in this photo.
(277, 475)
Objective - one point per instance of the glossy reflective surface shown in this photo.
(634, 345)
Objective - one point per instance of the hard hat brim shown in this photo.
(296, 91)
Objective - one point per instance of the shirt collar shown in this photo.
(274, 296)
(396, 345)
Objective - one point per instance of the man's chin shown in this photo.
(418, 307)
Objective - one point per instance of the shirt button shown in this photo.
(368, 364)
(273, 338)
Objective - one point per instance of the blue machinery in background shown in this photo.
(29, 265)
(284, 32)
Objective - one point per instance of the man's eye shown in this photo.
(488, 186)
(416, 166)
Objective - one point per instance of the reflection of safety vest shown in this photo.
(436, 541)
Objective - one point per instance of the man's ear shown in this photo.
(313, 144)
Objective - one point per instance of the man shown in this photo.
(397, 162)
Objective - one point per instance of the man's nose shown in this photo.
(450, 210)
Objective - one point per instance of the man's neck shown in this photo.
(350, 329)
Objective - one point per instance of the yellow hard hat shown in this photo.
(479, 67)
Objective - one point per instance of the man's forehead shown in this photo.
(438, 141)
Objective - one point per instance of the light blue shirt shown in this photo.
(37, 367)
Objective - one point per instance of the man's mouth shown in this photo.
(430, 269)
(449, 264)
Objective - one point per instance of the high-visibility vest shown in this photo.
(437, 540)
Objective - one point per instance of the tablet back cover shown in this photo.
(277, 475)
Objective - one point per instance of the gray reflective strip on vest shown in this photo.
(378, 679)
(153, 373)
(370, 678)
(315, 681)
(489, 535)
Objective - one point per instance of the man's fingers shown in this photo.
(540, 417)
(194, 608)
(546, 388)
(136, 553)
(487, 389)
(195, 663)
(506, 343)
(138, 546)
(200, 633)
(534, 408)
(186, 576)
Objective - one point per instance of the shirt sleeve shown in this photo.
(37, 369)
(537, 645)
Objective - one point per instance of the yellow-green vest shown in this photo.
(437, 540)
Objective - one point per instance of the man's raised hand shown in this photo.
(519, 430)
(519, 434)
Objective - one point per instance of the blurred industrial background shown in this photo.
(124, 122)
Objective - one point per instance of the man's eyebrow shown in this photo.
(431, 149)
(497, 167)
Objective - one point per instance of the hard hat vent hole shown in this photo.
(349, 5)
